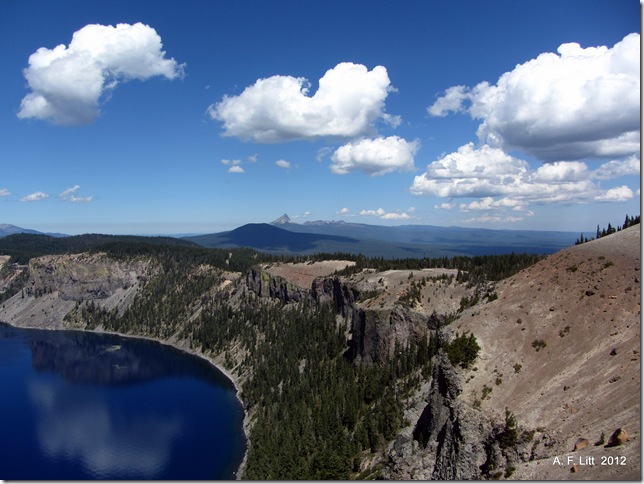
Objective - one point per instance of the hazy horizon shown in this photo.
(218, 228)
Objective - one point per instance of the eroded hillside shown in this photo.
(57, 283)
(560, 349)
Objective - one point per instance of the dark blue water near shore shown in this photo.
(79, 405)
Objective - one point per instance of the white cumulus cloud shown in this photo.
(444, 206)
(378, 213)
(349, 101)
(375, 156)
(452, 100)
(617, 194)
(578, 103)
(35, 197)
(617, 168)
(502, 182)
(561, 171)
(471, 172)
(395, 216)
(382, 214)
(489, 203)
(283, 164)
(69, 195)
(68, 82)
(4, 192)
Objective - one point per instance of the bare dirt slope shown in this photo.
(560, 348)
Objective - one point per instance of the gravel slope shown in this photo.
(584, 304)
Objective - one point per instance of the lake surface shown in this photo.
(80, 405)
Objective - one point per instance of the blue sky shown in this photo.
(168, 117)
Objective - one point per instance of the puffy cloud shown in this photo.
(234, 166)
(349, 100)
(452, 100)
(375, 156)
(617, 194)
(395, 216)
(444, 206)
(35, 197)
(502, 182)
(561, 171)
(69, 195)
(283, 164)
(384, 215)
(489, 203)
(617, 168)
(378, 213)
(576, 104)
(4, 192)
(67, 83)
(471, 172)
(344, 211)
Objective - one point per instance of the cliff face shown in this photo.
(374, 331)
(57, 282)
(450, 440)
(83, 277)
(266, 285)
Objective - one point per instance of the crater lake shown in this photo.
(81, 405)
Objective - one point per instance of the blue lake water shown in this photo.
(80, 405)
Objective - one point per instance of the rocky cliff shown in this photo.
(265, 284)
(58, 282)
(451, 440)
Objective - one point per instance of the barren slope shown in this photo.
(583, 303)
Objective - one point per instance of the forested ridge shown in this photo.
(629, 221)
(316, 414)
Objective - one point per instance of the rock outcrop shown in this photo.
(265, 284)
(375, 332)
(83, 277)
(58, 282)
(451, 440)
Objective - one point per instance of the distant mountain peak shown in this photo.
(284, 219)
(8, 229)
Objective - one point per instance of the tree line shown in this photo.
(629, 221)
